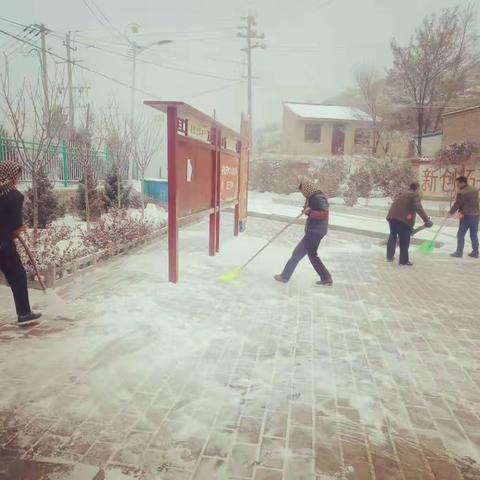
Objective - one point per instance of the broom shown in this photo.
(58, 306)
(33, 262)
(233, 274)
(429, 245)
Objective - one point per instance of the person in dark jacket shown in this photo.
(467, 206)
(401, 219)
(316, 209)
(11, 226)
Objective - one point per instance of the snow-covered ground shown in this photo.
(250, 379)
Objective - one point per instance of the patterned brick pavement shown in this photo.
(375, 378)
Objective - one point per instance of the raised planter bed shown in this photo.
(54, 276)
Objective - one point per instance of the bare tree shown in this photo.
(35, 124)
(371, 88)
(119, 141)
(432, 70)
(86, 143)
(147, 141)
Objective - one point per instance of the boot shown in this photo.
(406, 264)
(456, 255)
(326, 283)
(474, 254)
(28, 319)
(279, 278)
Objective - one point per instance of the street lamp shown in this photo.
(136, 50)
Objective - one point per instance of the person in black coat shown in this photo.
(11, 226)
(316, 208)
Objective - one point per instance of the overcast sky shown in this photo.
(313, 47)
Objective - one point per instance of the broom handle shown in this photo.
(440, 228)
(418, 229)
(271, 240)
(32, 261)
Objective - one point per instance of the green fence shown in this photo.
(64, 162)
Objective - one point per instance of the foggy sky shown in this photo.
(313, 47)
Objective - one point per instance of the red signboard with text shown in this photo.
(229, 170)
(204, 161)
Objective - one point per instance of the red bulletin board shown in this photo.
(229, 177)
(203, 173)
(194, 176)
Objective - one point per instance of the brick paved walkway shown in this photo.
(375, 378)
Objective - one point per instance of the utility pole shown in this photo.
(250, 33)
(71, 105)
(43, 38)
(87, 121)
(136, 50)
(132, 98)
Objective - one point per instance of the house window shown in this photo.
(362, 137)
(313, 133)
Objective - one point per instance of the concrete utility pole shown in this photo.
(135, 51)
(250, 33)
(43, 39)
(134, 47)
(71, 105)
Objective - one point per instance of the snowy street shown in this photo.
(377, 377)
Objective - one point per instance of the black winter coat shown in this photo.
(11, 217)
(315, 226)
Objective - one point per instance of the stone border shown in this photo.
(339, 228)
(55, 277)
(373, 211)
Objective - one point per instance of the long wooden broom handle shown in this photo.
(32, 261)
(271, 240)
(440, 228)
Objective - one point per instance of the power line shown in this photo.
(12, 22)
(119, 82)
(83, 67)
(148, 62)
(238, 82)
(102, 19)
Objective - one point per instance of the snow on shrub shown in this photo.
(115, 229)
(61, 244)
(56, 244)
(331, 174)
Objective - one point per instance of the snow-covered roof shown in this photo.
(328, 112)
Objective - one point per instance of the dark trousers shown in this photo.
(468, 222)
(12, 268)
(307, 246)
(402, 231)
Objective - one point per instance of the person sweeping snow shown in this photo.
(467, 206)
(401, 219)
(11, 226)
(316, 209)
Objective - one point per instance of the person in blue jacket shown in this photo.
(316, 209)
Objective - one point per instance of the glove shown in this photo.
(307, 210)
(18, 231)
(429, 223)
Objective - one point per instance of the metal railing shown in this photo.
(64, 162)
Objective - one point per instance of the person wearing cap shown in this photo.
(11, 226)
(467, 206)
(316, 209)
(401, 219)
